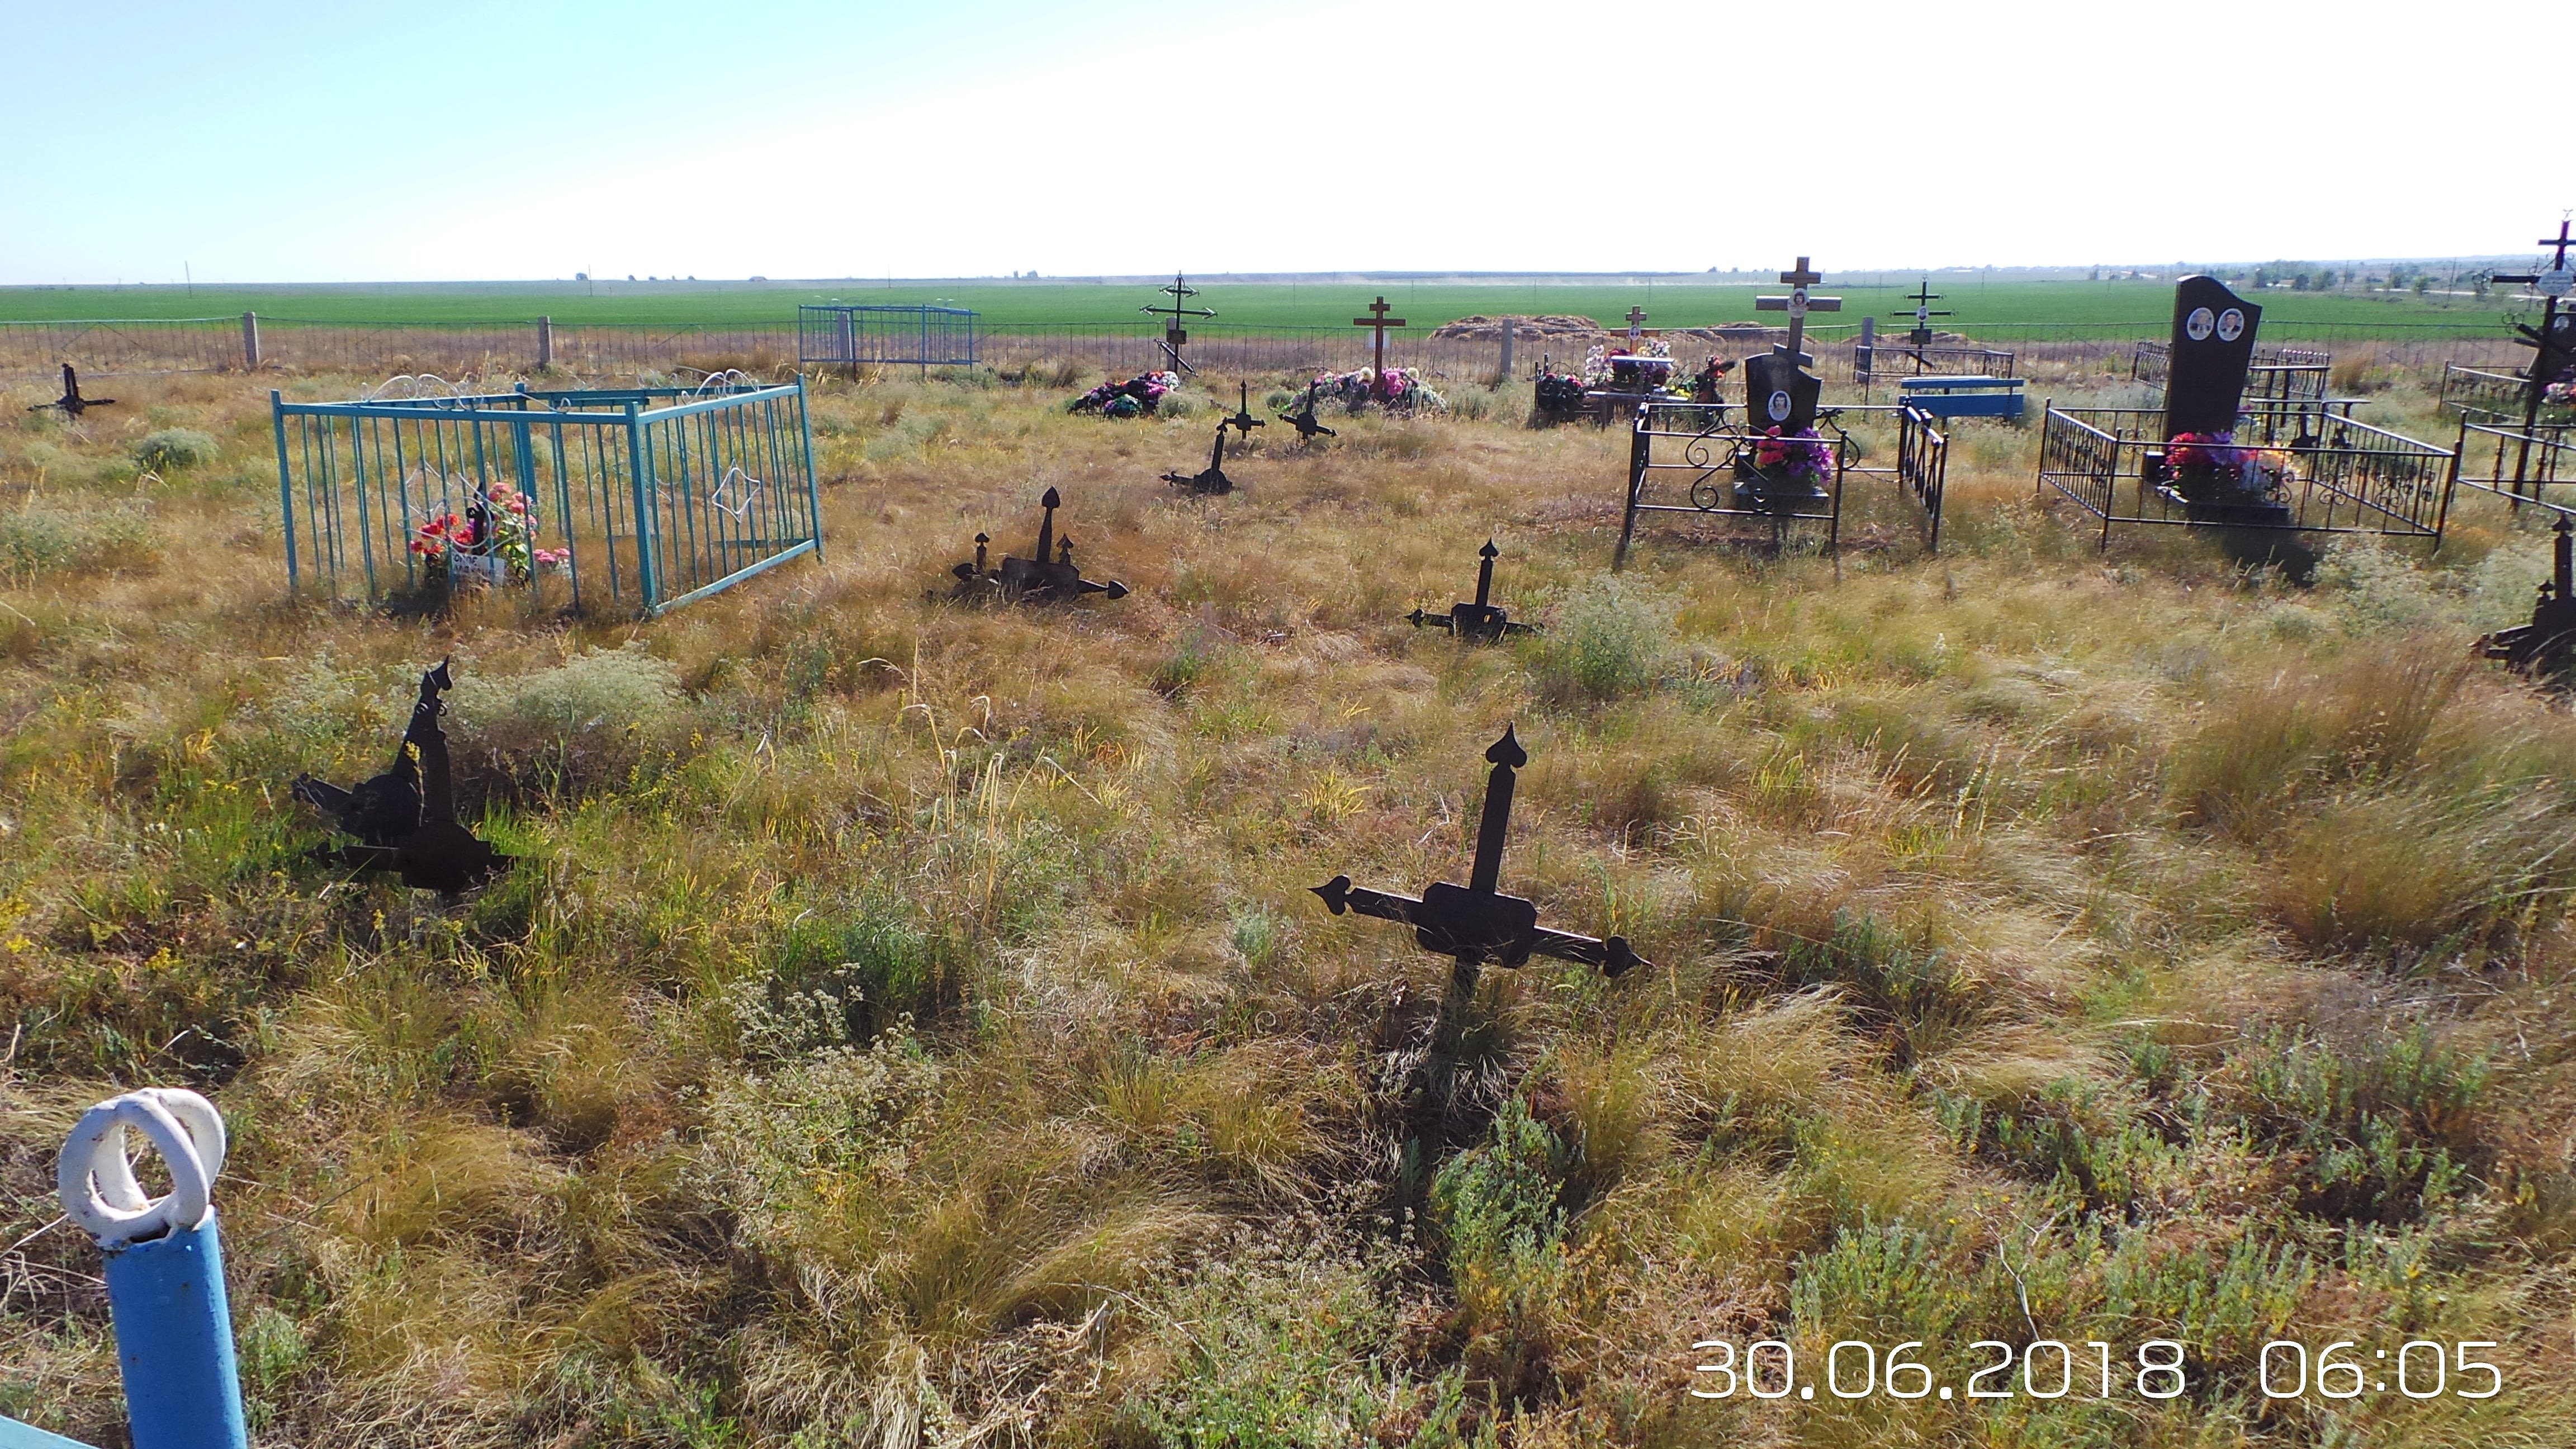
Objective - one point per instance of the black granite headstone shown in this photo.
(1779, 394)
(2213, 345)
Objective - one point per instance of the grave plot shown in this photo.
(1922, 353)
(2518, 430)
(2221, 453)
(1784, 465)
(627, 499)
(836, 335)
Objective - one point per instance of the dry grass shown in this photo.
(909, 1027)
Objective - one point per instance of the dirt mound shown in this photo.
(1490, 329)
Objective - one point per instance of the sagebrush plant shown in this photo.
(906, 1022)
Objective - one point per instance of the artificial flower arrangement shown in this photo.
(2205, 463)
(1802, 457)
(1138, 396)
(500, 528)
(1646, 369)
(1397, 390)
(1704, 384)
(1559, 393)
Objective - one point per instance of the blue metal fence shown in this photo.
(638, 499)
(882, 336)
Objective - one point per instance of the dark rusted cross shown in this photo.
(2547, 644)
(1303, 420)
(1480, 620)
(1923, 297)
(1476, 923)
(1173, 333)
(71, 402)
(1213, 479)
(1798, 304)
(405, 818)
(1380, 321)
(1049, 577)
(2550, 342)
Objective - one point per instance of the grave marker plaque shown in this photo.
(2213, 345)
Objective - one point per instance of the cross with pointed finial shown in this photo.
(1480, 620)
(1379, 321)
(1798, 304)
(1476, 923)
(2553, 342)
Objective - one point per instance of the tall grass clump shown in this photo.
(1610, 638)
(58, 535)
(174, 448)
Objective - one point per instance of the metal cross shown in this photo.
(1303, 420)
(1381, 322)
(1173, 334)
(1044, 578)
(1798, 304)
(1476, 923)
(2546, 342)
(1213, 480)
(1923, 297)
(1479, 620)
(405, 818)
(71, 402)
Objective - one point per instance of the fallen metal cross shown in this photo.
(1042, 579)
(1173, 333)
(1476, 923)
(1214, 480)
(1479, 620)
(405, 818)
(1303, 420)
(71, 402)
(1380, 321)
(1798, 304)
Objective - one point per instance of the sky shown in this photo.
(286, 142)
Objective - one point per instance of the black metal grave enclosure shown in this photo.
(2518, 430)
(2241, 443)
(1688, 459)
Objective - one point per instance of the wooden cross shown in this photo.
(1380, 321)
(1798, 304)
(1636, 326)
(1476, 923)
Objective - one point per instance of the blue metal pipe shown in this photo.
(174, 1341)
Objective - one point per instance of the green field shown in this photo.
(1669, 302)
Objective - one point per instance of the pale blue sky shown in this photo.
(306, 142)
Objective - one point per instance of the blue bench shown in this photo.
(1975, 396)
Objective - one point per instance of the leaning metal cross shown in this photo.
(1476, 923)
(1798, 304)
(1380, 321)
(1173, 334)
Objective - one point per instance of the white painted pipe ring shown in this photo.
(96, 1179)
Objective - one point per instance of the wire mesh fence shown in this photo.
(107, 348)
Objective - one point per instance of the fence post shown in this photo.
(545, 343)
(250, 341)
(1510, 326)
(165, 1266)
